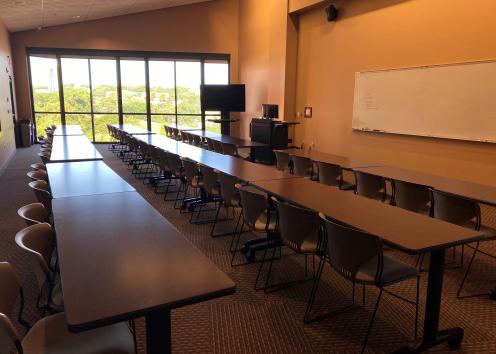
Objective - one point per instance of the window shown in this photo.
(94, 88)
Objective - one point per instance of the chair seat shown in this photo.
(347, 186)
(51, 336)
(308, 246)
(38, 166)
(393, 271)
(261, 222)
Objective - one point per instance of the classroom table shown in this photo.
(70, 179)
(68, 130)
(244, 170)
(479, 192)
(239, 142)
(120, 260)
(318, 156)
(404, 230)
(72, 148)
(132, 129)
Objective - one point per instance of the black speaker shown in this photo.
(332, 13)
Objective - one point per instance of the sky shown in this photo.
(103, 72)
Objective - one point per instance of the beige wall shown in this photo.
(387, 34)
(7, 142)
(210, 27)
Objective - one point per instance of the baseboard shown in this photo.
(7, 161)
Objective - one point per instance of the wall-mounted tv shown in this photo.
(225, 98)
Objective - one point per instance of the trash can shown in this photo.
(25, 132)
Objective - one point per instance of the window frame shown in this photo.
(118, 55)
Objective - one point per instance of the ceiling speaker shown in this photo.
(332, 13)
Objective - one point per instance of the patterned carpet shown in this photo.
(254, 322)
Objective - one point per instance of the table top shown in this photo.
(120, 259)
(237, 167)
(478, 192)
(71, 148)
(131, 129)
(239, 142)
(408, 231)
(68, 130)
(70, 179)
(318, 156)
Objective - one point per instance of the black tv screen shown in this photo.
(228, 98)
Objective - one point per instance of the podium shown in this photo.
(272, 132)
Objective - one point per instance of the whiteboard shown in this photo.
(455, 101)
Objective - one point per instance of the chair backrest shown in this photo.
(42, 193)
(455, 209)
(228, 189)
(197, 140)
(34, 213)
(167, 131)
(229, 149)
(302, 166)
(370, 186)
(39, 241)
(253, 204)
(9, 291)
(296, 225)
(174, 162)
(38, 175)
(349, 249)
(282, 160)
(191, 171)
(209, 179)
(218, 147)
(163, 160)
(210, 144)
(329, 174)
(45, 158)
(410, 196)
(184, 137)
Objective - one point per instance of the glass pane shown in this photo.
(212, 126)
(44, 80)
(45, 120)
(76, 82)
(100, 122)
(137, 120)
(133, 86)
(216, 73)
(158, 123)
(84, 120)
(189, 122)
(188, 79)
(162, 92)
(104, 83)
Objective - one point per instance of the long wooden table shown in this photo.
(70, 179)
(68, 130)
(132, 129)
(239, 142)
(120, 260)
(237, 167)
(470, 190)
(318, 156)
(72, 148)
(402, 229)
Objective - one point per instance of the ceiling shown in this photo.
(20, 15)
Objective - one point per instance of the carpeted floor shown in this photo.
(254, 322)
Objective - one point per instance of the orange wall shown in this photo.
(267, 53)
(210, 27)
(387, 34)
(7, 142)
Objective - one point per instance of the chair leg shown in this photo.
(237, 243)
(466, 274)
(313, 292)
(415, 331)
(270, 269)
(231, 249)
(371, 322)
(260, 269)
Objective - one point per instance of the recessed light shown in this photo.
(75, 17)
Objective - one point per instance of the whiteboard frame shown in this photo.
(487, 61)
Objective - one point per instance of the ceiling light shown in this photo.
(76, 17)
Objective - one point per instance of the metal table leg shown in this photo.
(432, 335)
(158, 332)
